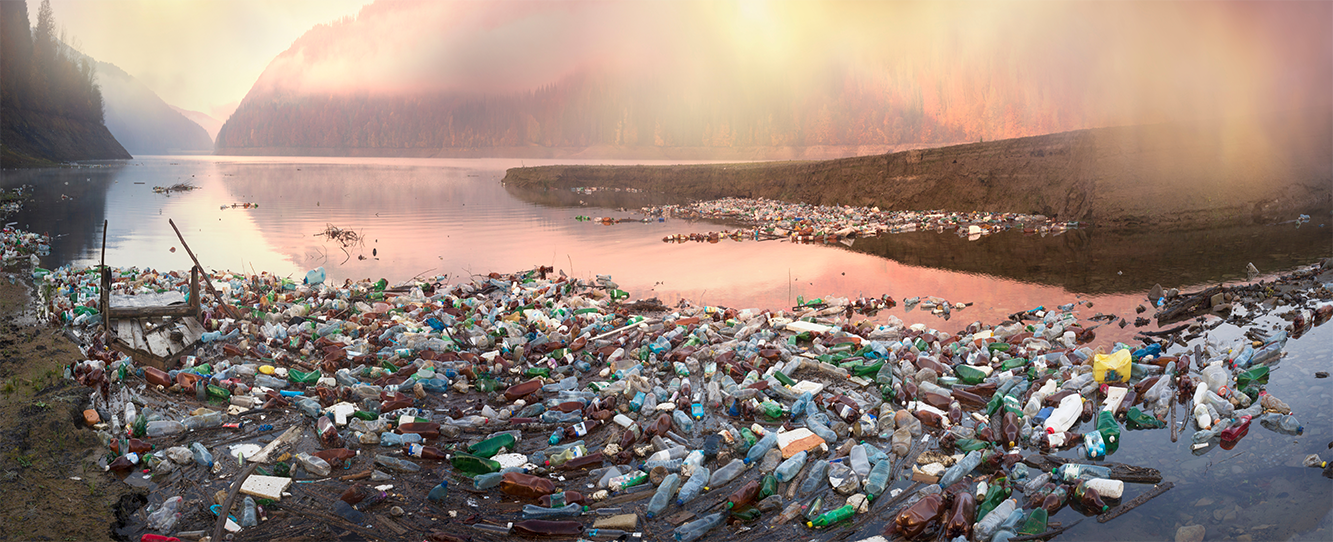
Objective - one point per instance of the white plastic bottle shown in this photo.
(1065, 415)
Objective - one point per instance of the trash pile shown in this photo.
(806, 223)
(16, 244)
(534, 404)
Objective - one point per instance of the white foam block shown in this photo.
(265, 487)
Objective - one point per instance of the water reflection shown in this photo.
(68, 204)
(437, 217)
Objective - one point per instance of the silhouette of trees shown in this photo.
(39, 72)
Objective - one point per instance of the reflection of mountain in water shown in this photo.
(68, 204)
(1103, 262)
(1089, 261)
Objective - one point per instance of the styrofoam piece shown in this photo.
(265, 487)
(800, 326)
(805, 385)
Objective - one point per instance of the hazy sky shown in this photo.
(196, 54)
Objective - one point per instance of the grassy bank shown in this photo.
(1184, 174)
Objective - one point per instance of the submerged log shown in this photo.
(1133, 503)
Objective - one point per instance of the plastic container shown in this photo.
(1113, 367)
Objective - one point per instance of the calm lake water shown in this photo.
(427, 218)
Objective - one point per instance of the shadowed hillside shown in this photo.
(1216, 172)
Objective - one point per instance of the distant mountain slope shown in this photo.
(141, 121)
(434, 77)
(209, 124)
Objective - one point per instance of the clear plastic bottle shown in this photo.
(249, 518)
(816, 478)
(693, 486)
(878, 479)
(201, 455)
(698, 528)
(726, 473)
(762, 447)
(859, 462)
(1070, 472)
(988, 525)
(313, 464)
(961, 468)
(662, 497)
(164, 518)
(789, 468)
(532, 511)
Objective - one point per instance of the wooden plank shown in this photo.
(193, 330)
(158, 343)
(138, 343)
(124, 333)
(148, 312)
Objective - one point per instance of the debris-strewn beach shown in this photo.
(536, 404)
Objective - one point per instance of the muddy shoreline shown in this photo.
(49, 472)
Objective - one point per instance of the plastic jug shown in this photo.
(1113, 367)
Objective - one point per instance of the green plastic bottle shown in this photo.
(302, 377)
(1257, 375)
(1110, 430)
(969, 374)
(491, 446)
(867, 370)
(472, 464)
(1137, 419)
(996, 494)
(1035, 523)
(832, 516)
(768, 486)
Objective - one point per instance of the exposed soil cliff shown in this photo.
(1217, 172)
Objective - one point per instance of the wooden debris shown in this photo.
(1133, 503)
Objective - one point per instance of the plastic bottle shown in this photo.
(693, 486)
(762, 447)
(201, 455)
(682, 421)
(1064, 415)
(397, 464)
(1070, 472)
(472, 464)
(439, 492)
(492, 446)
(1110, 489)
(211, 418)
(789, 468)
(961, 468)
(395, 439)
(662, 497)
(698, 528)
(816, 478)
(248, 514)
(1281, 423)
(164, 518)
(532, 511)
(1035, 402)
(160, 428)
(313, 465)
(858, 461)
(727, 473)
(832, 516)
(878, 479)
(1036, 523)
(988, 525)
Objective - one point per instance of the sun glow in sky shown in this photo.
(201, 55)
(1007, 67)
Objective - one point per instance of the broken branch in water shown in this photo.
(346, 238)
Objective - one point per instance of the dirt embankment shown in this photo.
(1183, 174)
(53, 486)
